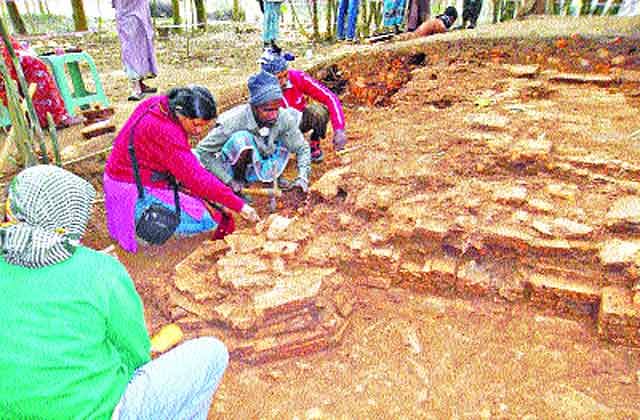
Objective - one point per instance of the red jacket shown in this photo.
(162, 145)
(302, 84)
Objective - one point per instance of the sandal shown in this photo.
(136, 96)
(148, 89)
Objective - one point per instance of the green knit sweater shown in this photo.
(71, 335)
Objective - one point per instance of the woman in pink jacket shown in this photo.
(296, 85)
(159, 129)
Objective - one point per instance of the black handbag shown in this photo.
(157, 222)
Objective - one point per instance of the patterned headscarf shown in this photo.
(48, 209)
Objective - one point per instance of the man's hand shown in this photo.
(236, 186)
(339, 140)
(249, 213)
(286, 185)
(301, 183)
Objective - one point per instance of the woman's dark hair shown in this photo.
(192, 102)
(452, 12)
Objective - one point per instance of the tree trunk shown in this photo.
(330, 17)
(79, 16)
(201, 14)
(235, 11)
(314, 19)
(177, 20)
(539, 7)
(16, 19)
(41, 7)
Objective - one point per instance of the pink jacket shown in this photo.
(302, 84)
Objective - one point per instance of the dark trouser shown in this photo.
(471, 11)
(315, 117)
(419, 11)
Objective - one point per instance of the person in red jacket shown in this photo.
(296, 85)
(160, 128)
(46, 98)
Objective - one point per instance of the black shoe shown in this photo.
(135, 96)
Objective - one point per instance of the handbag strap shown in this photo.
(171, 180)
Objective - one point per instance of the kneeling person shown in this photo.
(252, 142)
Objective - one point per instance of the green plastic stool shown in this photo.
(80, 96)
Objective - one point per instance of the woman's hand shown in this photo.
(236, 186)
(249, 213)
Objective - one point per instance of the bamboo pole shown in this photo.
(53, 134)
(24, 87)
(16, 19)
(19, 131)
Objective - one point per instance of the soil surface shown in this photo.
(439, 128)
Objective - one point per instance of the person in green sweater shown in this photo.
(73, 341)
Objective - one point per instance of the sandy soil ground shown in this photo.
(408, 354)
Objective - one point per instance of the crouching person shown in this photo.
(151, 154)
(296, 86)
(73, 341)
(252, 142)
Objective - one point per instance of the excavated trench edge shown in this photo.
(448, 270)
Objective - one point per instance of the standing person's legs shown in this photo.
(177, 385)
(277, 7)
(342, 14)
(353, 19)
(399, 13)
(425, 10)
(270, 22)
(388, 12)
(476, 7)
(414, 15)
(466, 13)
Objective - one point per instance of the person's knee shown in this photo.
(214, 352)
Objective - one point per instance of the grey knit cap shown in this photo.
(263, 87)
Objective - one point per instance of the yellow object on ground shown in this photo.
(167, 337)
